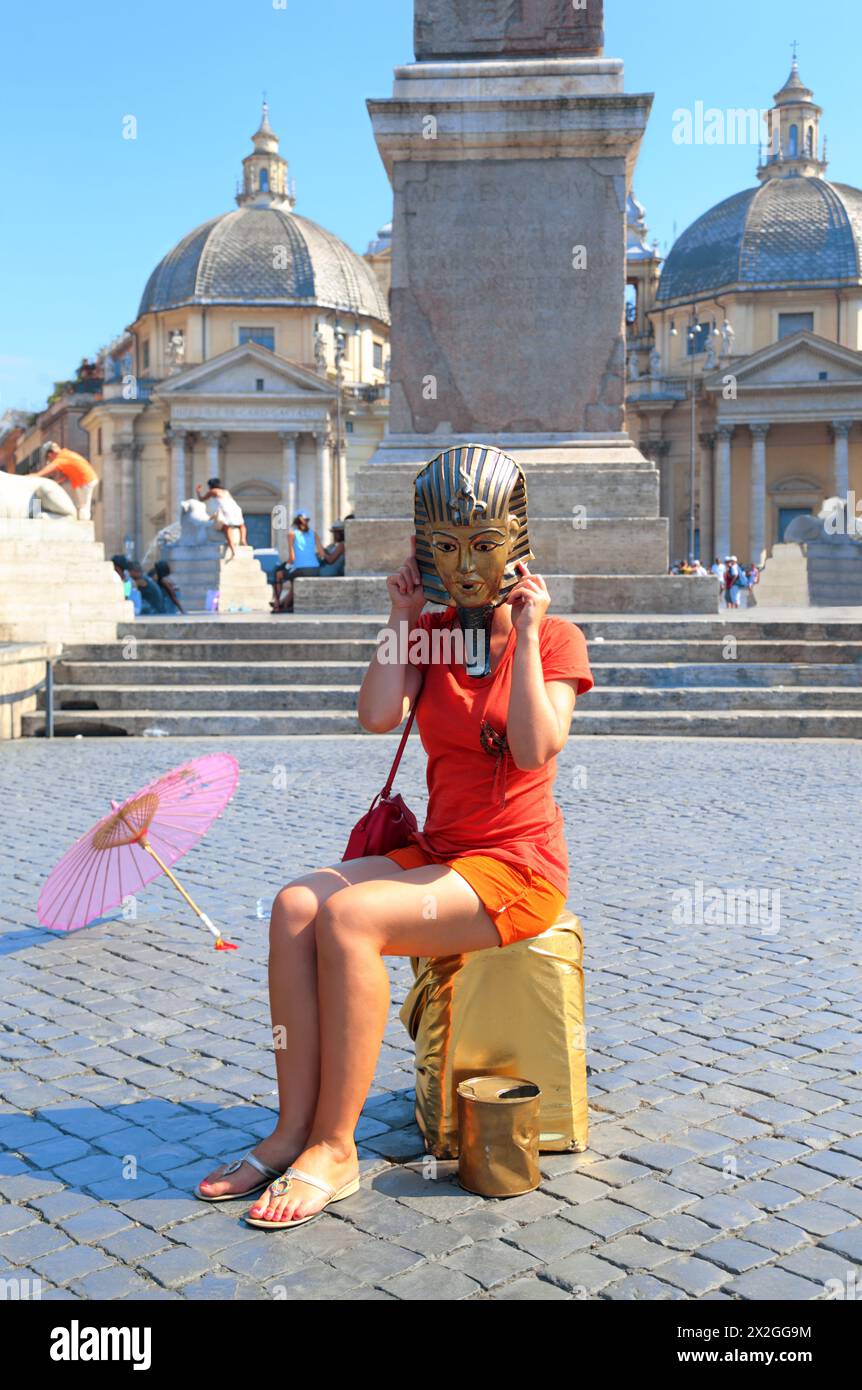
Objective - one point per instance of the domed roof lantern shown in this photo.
(264, 171)
(794, 132)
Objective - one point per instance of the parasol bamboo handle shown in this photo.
(180, 889)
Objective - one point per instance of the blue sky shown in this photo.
(87, 213)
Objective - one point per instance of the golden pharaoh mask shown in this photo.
(471, 526)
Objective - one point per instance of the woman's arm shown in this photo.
(540, 712)
(389, 686)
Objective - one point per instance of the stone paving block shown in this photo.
(847, 1242)
(73, 1263)
(664, 1157)
(819, 1218)
(678, 1231)
(633, 1253)
(605, 1217)
(642, 1288)
(13, 1218)
(576, 1187)
(31, 1243)
(176, 1266)
(582, 1273)
(838, 1165)
(657, 1198)
(727, 1213)
(490, 1262)
(693, 1275)
(134, 1245)
(432, 1282)
(373, 1261)
(770, 1283)
(816, 1263)
(96, 1224)
(551, 1238)
(735, 1255)
(530, 1290)
(772, 1196)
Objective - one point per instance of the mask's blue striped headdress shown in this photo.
(464, 487)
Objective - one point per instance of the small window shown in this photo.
(378, 357)
(822, 376)
(145, 355)
(793, 141)
(99, 440)
(788, 324)
(348, 426)
(696, 342)
(258, 385)
(809, 140)
(263, 181)
(264, 337)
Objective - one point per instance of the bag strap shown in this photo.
(396, 760)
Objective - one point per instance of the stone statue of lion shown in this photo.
(23, 495)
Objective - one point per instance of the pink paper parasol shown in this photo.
(137, 841)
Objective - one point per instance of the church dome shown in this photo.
(790, 231)
(795, 228)
(263, 253)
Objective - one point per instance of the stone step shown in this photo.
(723, 675)
(588, 593)
(652, 723)
(258, 628)
(609, 652)
(314, 699)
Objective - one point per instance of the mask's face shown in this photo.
(470, 560)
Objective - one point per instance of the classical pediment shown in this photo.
(237, 373)
(799, 361)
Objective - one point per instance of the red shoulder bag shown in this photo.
(388, 822)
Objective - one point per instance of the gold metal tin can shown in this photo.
(498, 1125)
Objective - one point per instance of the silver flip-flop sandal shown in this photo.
(264, 1169)
(282, 1186)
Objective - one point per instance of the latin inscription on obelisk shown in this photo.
(451, 29)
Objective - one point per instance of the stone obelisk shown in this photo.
(510, 144)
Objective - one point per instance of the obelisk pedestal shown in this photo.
(510, 145)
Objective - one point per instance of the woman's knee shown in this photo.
(342, 921)
(293, 910)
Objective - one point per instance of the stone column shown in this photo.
(724, 434)
(214, 441)
(659, 451)
(288, 484)
(176, 440)
(341, 478)
(322, 521)
(757, 523)
(707, 484)
(841, 457)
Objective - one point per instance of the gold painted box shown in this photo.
(509, 1011)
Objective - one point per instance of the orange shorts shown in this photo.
(519, 902)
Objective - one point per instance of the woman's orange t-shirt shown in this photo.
(480, 802)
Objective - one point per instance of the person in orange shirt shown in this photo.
(78, 472)
(490, 865)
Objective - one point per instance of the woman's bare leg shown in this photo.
(294, 1012)
(426, 911)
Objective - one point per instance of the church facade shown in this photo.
(259, 354)
(745, 348)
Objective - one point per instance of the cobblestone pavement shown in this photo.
(726, 1060)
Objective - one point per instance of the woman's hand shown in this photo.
(405, 587)
(530, 602)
